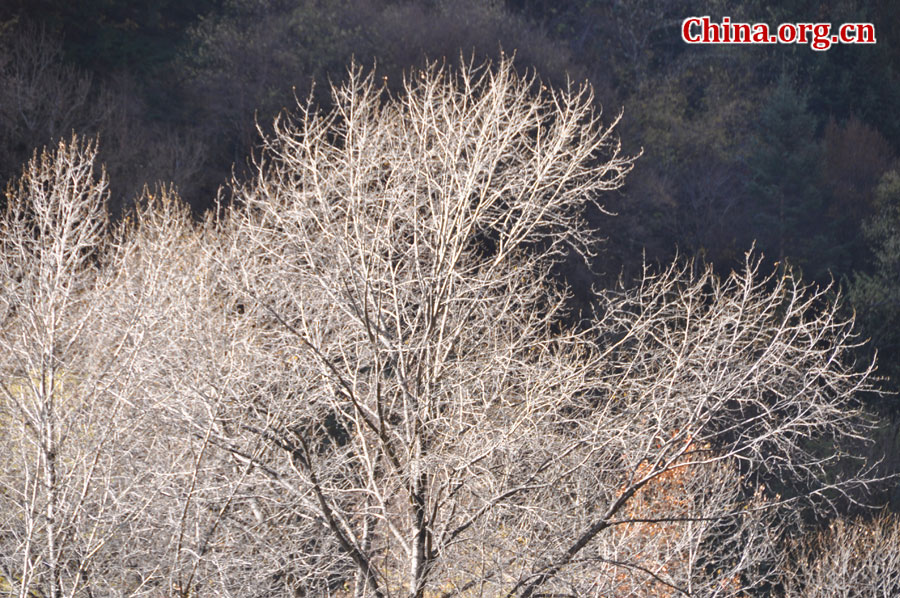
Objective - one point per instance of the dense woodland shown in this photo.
(446, 298)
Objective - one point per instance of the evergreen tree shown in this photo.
(876, 295)
(784, 183)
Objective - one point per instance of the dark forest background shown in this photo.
(778, 146)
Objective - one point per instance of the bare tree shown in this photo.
(43, 100)
(428, 407)
(850, 559)
(208, 525)
(77, 433)
(361, 378)
(51, 231)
